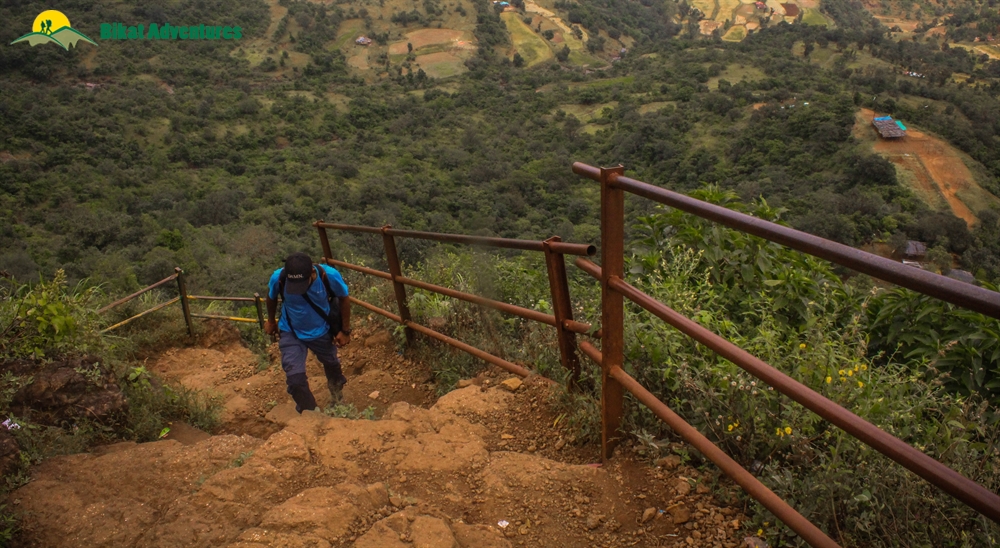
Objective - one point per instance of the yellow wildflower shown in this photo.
(850, 373)
(788, 430)
(864, 367)
(802, 346)
(730, 428)
(828, 379)
(861, 384)
(841, 372)
(843, 378)
(760, 532)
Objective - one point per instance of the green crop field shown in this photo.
(532, 47)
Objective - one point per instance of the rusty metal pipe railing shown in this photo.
(948, 480)
(781, 509)
(485, 356)
(230, 318)
(376, 309)
(141, 314)
(578, 327)
(362, 269)
(959, 293)
(508, 243)
(213, 298)
(525, 313)
(348, 228)
(123, 300)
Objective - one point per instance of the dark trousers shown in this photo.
(293, 362)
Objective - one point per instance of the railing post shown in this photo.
(563, 310)
(324, 241)
(612, 308)
(185, 305)
(397, 272)
(260, 310)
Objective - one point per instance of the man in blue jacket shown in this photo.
(312, 296)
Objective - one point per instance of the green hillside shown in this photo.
(122, 161)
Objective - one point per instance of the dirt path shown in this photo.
(487, 465)
(937, 167)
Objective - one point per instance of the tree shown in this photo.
(518, 60)
(563, 54)
(409, 47)
(939, 257)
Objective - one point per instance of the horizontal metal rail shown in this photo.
(141, 314)
(947, 289)
(230, 318)
(123, 300)
(526, 313)
(526, 245)
(485, 356)
(376, 309)
(362, 269)
(211, 298)
(781, 509)
(948, 480)
(579, 327)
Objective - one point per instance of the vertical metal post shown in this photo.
(260, 310)
(185, 305)
(392, 258)
(324, 241)
(563, 310)
(612, 308)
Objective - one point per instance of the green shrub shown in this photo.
(955, 346)
(46, 319)
(792, 312)
(153, 404)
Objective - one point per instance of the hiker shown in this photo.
(315, 314)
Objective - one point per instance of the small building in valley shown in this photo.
(363, 41)
(888, 128)
(915, 249)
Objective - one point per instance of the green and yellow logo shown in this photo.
(52, 26)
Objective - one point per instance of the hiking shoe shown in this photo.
(336, 390)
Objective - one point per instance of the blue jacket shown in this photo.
(308, 325)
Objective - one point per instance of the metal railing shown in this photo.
(185, 299)
(616, 381)
(610, 358)
(555, 251)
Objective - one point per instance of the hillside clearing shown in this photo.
(935, 170)
(529, 45)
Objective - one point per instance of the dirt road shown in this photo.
(937, 167)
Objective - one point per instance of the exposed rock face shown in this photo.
(64, 390)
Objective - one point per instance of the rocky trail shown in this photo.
(487, 465)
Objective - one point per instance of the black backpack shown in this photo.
(333, 319)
